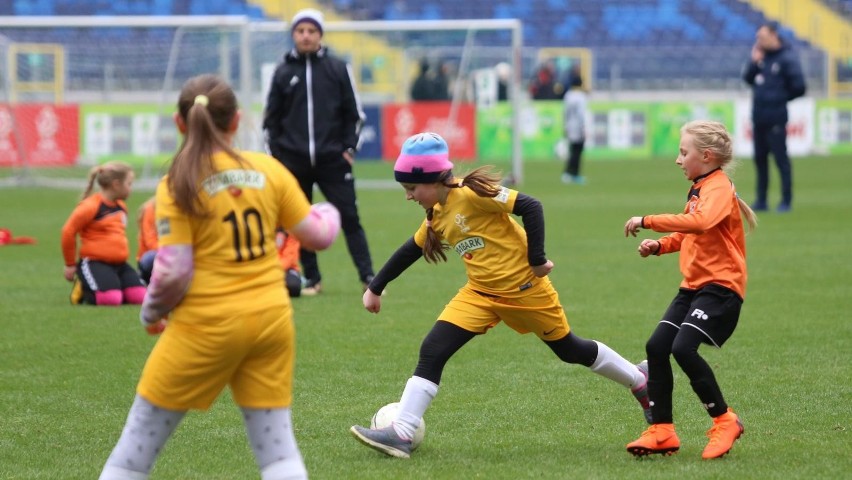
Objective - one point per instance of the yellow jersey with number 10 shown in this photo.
(235, 256)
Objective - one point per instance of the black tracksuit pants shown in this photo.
(337, 183)
(772, 138)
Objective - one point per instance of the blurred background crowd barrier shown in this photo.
(84, 82)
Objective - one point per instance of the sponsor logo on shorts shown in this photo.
(699, 314)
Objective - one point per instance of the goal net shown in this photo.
(79, 91)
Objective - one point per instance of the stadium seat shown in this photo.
(604, 26)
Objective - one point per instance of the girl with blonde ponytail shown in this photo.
(710, 237)
(100, 273)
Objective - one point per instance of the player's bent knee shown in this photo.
(109, 297)
(134, 295)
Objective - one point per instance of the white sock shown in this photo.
(613, 366)
(117, 473)
(292, 469)
(416, 397)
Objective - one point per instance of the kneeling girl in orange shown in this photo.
(103, 276)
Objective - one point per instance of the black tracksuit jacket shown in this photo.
(313, 113)
(775, 81)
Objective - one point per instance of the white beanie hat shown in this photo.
(308, 15)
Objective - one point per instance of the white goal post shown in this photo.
(125, 73)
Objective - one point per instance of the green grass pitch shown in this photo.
(507, 408)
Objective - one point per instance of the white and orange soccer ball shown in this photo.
(387, 414)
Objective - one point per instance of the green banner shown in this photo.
(833, 130)
(668, 117)
(541, 129)
(138, 134)
(617, 130)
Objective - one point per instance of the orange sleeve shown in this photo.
(670, 243)
(288, 253)
(82, 214)
(698, 217)
(709, 235)
(147, 229)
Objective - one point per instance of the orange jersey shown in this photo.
(709, 235)
(102, 226)
(147, 229)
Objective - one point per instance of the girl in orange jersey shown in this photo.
(288, 256)
(147, 237)
(103, 276)
(506, 280)
(710, 237)
(217, 278)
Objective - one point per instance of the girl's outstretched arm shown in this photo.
(404, 257)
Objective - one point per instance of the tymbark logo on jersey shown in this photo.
(468, 245)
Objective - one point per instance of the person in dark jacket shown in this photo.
(426, 86)
(775, 75)
(312, 120)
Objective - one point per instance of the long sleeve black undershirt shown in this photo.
(532, 214)
(402, 258)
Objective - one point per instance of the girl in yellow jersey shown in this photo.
(710, 237)
(217, 279)
(506, 280)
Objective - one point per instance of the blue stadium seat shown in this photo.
(604, 26)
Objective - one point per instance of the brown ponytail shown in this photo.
(207, 105)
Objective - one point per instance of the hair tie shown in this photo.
(202, 100)
(461, 183)
(429, 223)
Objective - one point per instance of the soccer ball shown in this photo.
(387, 414)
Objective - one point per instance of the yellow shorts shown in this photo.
(537, 310)
(191, 363)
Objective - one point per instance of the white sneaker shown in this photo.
(384, 440)
(312, 290)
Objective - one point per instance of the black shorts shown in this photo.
(100, 277)
(713, 310)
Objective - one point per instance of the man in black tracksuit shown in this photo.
(313, 118)
(775, 75)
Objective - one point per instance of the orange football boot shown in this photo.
(658, 438)
(726, 429)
